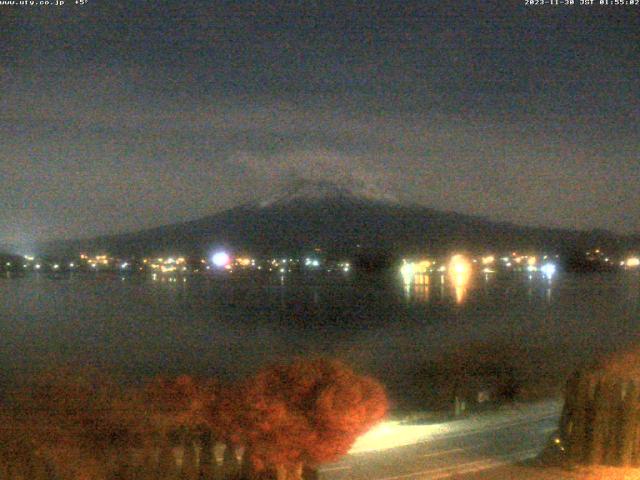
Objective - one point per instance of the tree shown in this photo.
(77, 422)
(600, 421)
(177, 408)
(304, 413)
(179, 402)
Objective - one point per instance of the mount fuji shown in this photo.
(338, 218)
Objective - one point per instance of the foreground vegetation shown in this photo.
(84, 426)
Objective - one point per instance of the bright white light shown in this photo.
(548, 269)
(56, 266)
(392, 434)
(37, 266)
(220, 259)
(407, 271)
(310, 262)
(71, 265)
(124, 265)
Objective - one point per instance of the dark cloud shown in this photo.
(117, 117)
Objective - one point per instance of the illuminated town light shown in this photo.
(548, 270)
(459, 265)
(423, 267)
(309, 262)
(488, 260)
(632, 262)
(37, 266)
(407, 271)
(56, 266)
(243, 261)
(459, 275)
(220, 259)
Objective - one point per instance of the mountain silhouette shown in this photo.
(340, 219)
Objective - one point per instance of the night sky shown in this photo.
(119, 115)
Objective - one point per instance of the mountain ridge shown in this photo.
(334, 217)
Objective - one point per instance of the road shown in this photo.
(393, 451)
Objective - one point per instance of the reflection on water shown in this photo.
(459, 275)
(418, 292)
(230, 325)
(416, 278)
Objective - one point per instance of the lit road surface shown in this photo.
(458, 448)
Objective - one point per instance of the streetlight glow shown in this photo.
(220, 259)
(549, 270)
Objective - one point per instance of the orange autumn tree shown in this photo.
(78, 422)
(179, 402)
(305, 413)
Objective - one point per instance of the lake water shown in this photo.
(230, 326)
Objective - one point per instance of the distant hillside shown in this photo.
(9, 260)
(323, 215)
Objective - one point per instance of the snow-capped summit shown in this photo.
(306, 189)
